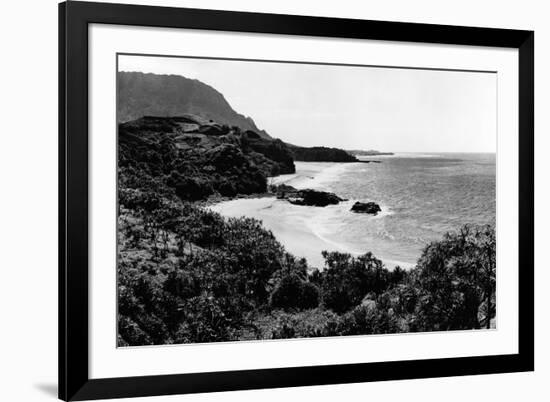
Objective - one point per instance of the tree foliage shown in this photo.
(186, 274)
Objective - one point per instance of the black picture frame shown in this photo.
(74, 381)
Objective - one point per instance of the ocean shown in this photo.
(422, 196)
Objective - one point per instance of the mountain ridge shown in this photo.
(166, 99)
(168, 95)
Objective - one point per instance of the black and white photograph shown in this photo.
(262, 200)
(275, 201)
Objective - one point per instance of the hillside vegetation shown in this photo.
(186, 274)
(198, 161)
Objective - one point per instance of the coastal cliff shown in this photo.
(199, 160)
(321, 154)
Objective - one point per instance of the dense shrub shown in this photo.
(346, 280)
(294, 293)
(205, 321)
(193, 189)
(368, 318)
(130, 333)
(456, 279)
(254, 257)
(309, 298)
(303, 324)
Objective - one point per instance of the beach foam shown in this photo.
(396, 155)
(305, 231)
(422, 196)
(289, 223)
(314, 175)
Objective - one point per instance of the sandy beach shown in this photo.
(291, 224)
(301, 229)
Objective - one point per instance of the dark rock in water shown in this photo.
(366, 208)
(312, 198)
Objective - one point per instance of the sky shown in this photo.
(350, 107)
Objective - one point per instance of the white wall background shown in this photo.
(28, 201)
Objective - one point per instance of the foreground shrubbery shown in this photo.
(186, 274)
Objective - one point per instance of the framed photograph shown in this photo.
(257, 201)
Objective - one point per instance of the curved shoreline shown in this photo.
(300, 228)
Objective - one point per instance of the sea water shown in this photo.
(422, 196)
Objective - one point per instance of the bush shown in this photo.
(205, 322)
(227, 189)
(368, 319)
(130, 334)
(309, 297)
(346, 280)
(304, 324)
(193, 189)
(293, 293)
(254, 256)
(456, 279)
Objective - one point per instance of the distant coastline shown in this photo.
(370, 152)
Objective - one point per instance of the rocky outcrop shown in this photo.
(315, 198)
(308, 197)
(320, 154)
(366, 208)
(282, 190)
